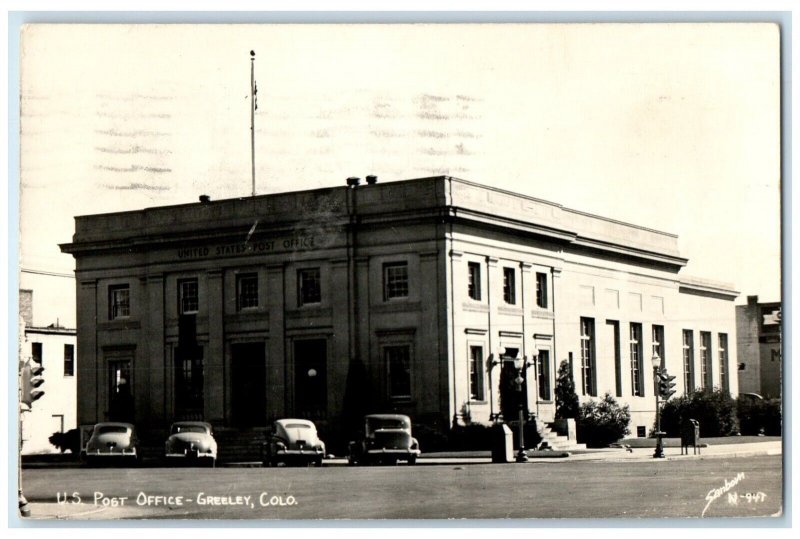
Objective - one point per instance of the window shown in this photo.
(658, 343)
(705, 359)
(543, 374)
(474, 286)
(187, 296)
(308, 286)
(723, 361)
(614, 326)
(587, 357)
(541, 290)
(69, 360)
(688, 360)
(395, 280)
(119, 302)
(476, 373)
(246, 291)
(36, 352)
(398, 371)
(509, 286)
(637, 381)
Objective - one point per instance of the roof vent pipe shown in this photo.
(372, 179)
(353, 181)
(205, 199)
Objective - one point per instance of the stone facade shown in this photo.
(405, 297)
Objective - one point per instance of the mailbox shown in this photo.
(690, 436)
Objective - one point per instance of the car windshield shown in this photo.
(296, 426)
(188, 428)
(386, 423)
(111, 429)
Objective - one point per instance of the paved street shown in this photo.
(724, 487)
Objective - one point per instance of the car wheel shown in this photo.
(412, 461)
(318, 462)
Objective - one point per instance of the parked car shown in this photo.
(191, 442)
(386, 440)
(293, 441)
(111, 442)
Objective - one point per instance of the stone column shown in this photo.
(153, 353)
(215, 406)
(278, 397)
(89, 371)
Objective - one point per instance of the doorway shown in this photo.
(248, 385)
(311, 378)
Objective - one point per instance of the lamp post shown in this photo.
(519, 364)
(659, 453)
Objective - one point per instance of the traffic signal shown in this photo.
(666, 384)
(32, 379)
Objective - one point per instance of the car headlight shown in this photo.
(280, 445)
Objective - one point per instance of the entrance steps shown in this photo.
(555, 441)
(240, 445)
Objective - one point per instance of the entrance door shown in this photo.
(310, 378)
(248, 385)
(120, 392)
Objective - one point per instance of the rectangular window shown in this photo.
(474, 287)
(246, 291)
(119, 302)
(69, 360)
(613, 325)
(36, 352)
(705, 359)
(309, 289)
(543, 374)
(395, 280)
(723, 361)
(476, 373)
(541, 290)
(658, 343)
(187, 296)
(398, 371)
(509, 286)
(688, 360)
(588, 385)
(637, 367)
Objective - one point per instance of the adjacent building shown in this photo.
(407, 296)
(758, 336)
(54, 347)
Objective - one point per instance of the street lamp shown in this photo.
(659, 453)
(520, 363)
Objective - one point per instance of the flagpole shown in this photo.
(253, 120)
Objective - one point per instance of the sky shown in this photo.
(672, 127)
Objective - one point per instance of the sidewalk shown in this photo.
(674, 453)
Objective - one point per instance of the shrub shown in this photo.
(566, 399)
(67, 441)
(759, 416)
(602, 422)
(715, 409)
(470, 437)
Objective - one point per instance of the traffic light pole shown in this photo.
(23, 503)
(659, 453)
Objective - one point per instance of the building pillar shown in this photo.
(277, 393)
(214, 359)
(339, 347)
(528, 290)
(88, 370)
(153, 353)
(493, 292)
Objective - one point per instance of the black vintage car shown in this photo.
(387, 439)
